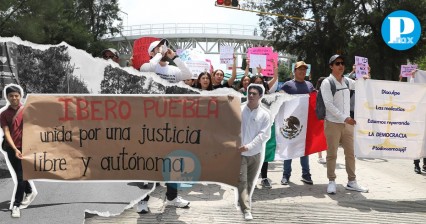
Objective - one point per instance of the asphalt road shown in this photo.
(68, 202)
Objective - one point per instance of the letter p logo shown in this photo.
(401, 30)
(396, 23)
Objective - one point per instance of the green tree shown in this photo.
(100, 18)
(284, 72)
(80, 23)
(47, 71)
(351, 28)
(421, 62)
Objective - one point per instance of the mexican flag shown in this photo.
(297, 130)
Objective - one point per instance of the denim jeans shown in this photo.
(304, 162)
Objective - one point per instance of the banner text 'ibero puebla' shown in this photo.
(151, 137)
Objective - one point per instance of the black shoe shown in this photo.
(266, 183)
(307, 179)
(417, 169)
(285, 180)
(424, 168)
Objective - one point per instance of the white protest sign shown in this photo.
(419, 76)
(390, 119)
(361, 60)
(179, 51)
(197, 67)
(407, 69)
(257, 60)
(226, 54)
(361, 66)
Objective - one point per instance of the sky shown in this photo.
(182, 11)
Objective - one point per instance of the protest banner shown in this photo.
(407, 69)
(179, 51)
(361, 60)
(271, 59)
(419, 76)
(226, 54)
(197, 67)
(361, 67)
(144, 137)
(140, 51)
(390, 119)
(257, 60)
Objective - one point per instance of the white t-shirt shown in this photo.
(170, 73)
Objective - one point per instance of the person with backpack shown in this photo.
(321, 160)
(338, 125)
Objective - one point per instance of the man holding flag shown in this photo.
(298, 86)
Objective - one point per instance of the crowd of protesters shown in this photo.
(256, 138)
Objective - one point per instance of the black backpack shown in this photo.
(320, 106)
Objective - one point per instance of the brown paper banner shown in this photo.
(144, 137)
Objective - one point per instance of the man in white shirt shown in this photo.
(255, 131)
(160, 54)
(338, 125)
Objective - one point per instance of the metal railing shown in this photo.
(190, 28)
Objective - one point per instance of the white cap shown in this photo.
(156, 44)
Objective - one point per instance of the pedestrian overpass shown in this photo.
(205, 36)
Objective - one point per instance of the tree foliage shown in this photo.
(80, 23)
(351, 28)
(47, 71)
(118, 81)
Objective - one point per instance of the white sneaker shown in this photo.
(248, 216)
(178, 202)
(331, 189)
(142, 207)
(16, 213)
(28, 199)
(322, 161)
(353, 186)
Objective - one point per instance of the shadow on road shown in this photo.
(417, 206)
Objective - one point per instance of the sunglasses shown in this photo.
(339, 63)
(109, 57)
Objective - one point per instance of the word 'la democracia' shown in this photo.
(109, 109)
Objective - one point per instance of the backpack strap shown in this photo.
(347, 82)
(332, 85)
